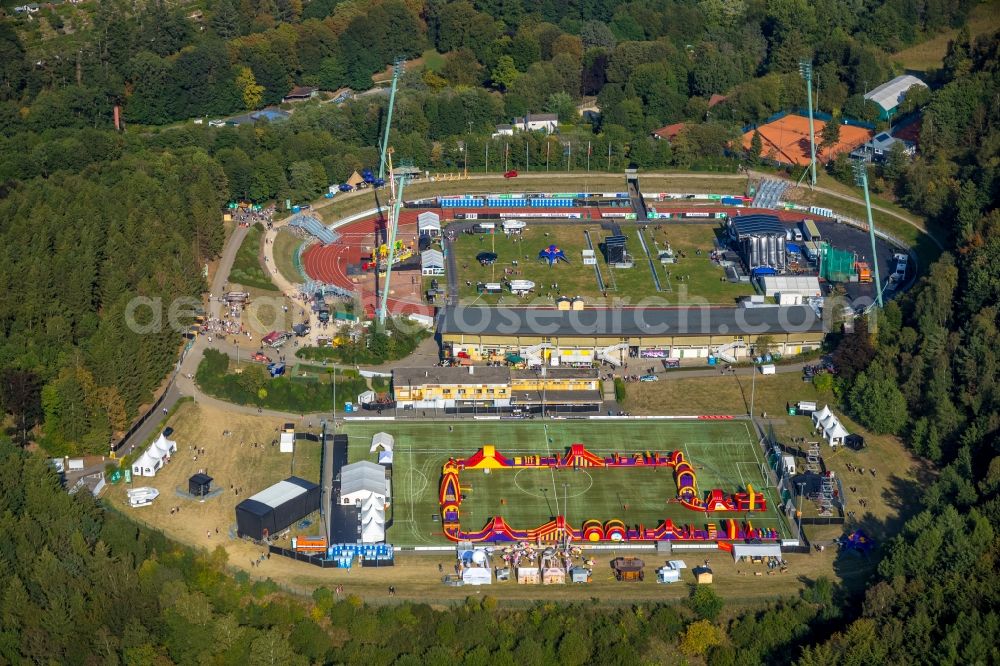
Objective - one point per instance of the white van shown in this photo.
(768, 369)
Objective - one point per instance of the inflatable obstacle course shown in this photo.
(594, 529)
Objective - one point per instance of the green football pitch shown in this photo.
(725, 455)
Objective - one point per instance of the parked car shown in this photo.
(511, 174)
(649, 378)
(260, 358)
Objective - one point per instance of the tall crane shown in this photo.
(396, 71)
(395, 203)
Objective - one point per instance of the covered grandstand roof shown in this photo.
(890, 94)
(621, 322)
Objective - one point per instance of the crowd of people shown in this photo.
(246, 217)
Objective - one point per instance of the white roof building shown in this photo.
(431, 262)
(362, 481)
(791, 284)
(890, 94)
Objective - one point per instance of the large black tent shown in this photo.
(275, 508)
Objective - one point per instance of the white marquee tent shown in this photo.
(431, 262)
(429, 223)
(833, 430)
(153, 458)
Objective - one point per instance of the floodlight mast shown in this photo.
(396, 71)
(806, 69)
(861, 178)
(395, 203)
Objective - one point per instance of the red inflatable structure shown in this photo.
(593, 530)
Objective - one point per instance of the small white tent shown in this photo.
(164, 446)
(836, 434)
(373, 530)
(431, 262)
(153, 458)
(820, 415)
(147, 464)
(383, 441)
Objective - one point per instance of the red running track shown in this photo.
(328, 263)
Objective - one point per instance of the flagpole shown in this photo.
(548, 145)
(609, 157)
(527, 163)
(487, 157)
(588, 157)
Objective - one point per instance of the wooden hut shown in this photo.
(628, 568)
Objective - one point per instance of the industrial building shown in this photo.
(891, 94)
(498, 387)
(276, 508)
(445, 388)
(544, 336)
(760, 240)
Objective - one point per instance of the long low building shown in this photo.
(492, 387)
(546, 336)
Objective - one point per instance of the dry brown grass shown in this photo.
(230, 461)
(929, 55)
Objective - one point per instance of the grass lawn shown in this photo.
(724, 456)
(284, 248)
(247, 270)
(575, 279)
(928, 55)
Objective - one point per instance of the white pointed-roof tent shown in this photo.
(383, 441)
(164, 446)
(152, 459)
(820, 415)
(372, 527)
(836, 434)
(513, 225)
(147, 464)
(429, 223)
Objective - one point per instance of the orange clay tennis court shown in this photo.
(786, 140)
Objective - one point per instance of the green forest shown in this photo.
(99, 228)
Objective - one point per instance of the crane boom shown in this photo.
(395, 203)
(396, 71)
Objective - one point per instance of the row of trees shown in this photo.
(932, 374)
(644, 68)
(91, 264)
